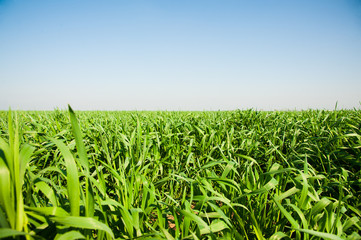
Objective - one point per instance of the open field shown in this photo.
(181, 175)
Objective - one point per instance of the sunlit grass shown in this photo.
(180, 175)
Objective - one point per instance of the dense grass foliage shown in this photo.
(180, 175)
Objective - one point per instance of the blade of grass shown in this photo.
(73, 185)
(83, 222)
(89, 195)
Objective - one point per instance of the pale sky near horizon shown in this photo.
(180, 55)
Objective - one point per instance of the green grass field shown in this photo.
(180, 175)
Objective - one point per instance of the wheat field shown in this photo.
(180, 175)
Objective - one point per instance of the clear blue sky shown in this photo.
(180, 55)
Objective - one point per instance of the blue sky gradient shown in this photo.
(180, 55)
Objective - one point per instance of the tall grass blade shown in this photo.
(73, 185)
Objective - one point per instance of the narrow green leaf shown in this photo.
(351, 222)
(48, 192)
(8, 232)
(6, 196)
(83, 222)
(79, 141)
(287, 215)
(195, 218)
(278, 235)
(267, 187)
(320, 234)
(24, 157)
(73, 185)
(89, 195)
(354, 236)
(166, 234)
(49, 211)
(69, 236)
(215, 226)
(286, 194)
(320, 205)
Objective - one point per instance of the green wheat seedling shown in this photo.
(13, 164)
